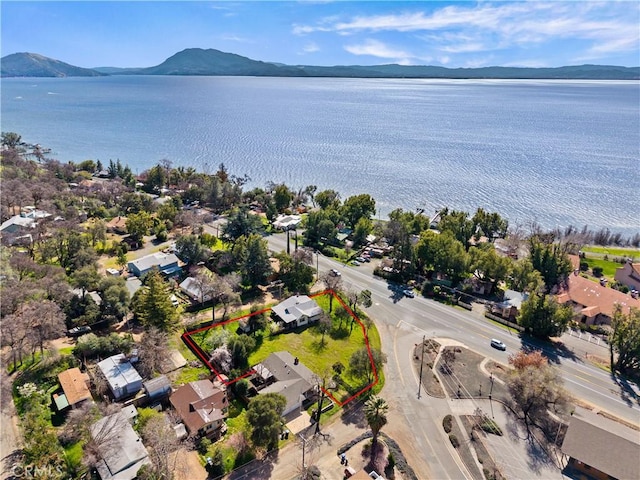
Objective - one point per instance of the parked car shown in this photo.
(360, 259)
(77, 331)
(355, 263)
(409, 293)
(334, 272)
(498, 344)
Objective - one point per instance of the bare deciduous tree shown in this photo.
(152, 351)
(332, 282)
(536, 389)
(161, 442)
(104, 437)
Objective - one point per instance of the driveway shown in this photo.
(9, 433)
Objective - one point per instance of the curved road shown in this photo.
(402, 322)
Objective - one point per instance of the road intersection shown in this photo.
(403, 322)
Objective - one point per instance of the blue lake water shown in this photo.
(554, 152)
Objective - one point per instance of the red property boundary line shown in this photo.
(197, 350)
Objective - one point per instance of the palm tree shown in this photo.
(375, 411)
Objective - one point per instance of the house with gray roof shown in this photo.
(193, 288)
(601, 448)
(297, 311)
(157, 388)
(121, 450)
(167, 263)
(283, 373)
(510, 305)
(123, 379)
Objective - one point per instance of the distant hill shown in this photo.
(580, 72)
(198, 61)
(34, 65)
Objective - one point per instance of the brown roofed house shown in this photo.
(629, 275)
(601, 448)
(594, 303)
(75, 385)
(117, 225)
(202, 406)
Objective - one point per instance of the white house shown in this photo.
(297, 311)
(287, 222)
(122, 378)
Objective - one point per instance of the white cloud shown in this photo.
(464, 48)
(311, 48)
(235, 38)
(594, 28)
(376, 48)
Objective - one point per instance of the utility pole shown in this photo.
(421, 363)
(288, 246)
(304, 445)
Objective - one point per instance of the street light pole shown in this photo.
(490, 392)
(421, 363)
(317, 265)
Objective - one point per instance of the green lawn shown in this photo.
(614, 251)
(73, 454)
(188, 373)
(608, 267)
(316, 352)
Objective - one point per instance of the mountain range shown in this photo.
(211, 62)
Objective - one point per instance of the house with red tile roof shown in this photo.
(593, 303)
(629, 275)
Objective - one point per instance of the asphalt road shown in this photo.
(395, 315)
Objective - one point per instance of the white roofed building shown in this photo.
(122, 378)
(297, 311)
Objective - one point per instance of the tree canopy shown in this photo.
(152, 303)
(356, 207)
(535, 388)
(624, 341)
(265, 417)
(542, 316)
(375, 411)
(190, 249)
(361, 364)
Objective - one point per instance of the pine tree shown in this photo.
(152, 304)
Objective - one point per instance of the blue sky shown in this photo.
(452, 34)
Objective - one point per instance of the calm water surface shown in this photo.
(556, 152)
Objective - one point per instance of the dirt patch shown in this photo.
(464, 451)
(188, 466)
(489, 467)
(430, 382)
(498, 370)
(461, 376)
(600, 362)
